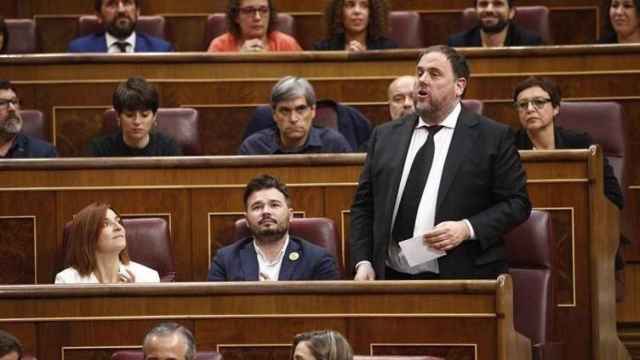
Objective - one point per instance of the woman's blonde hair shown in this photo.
(324, 345)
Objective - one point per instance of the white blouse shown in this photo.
(142, 274)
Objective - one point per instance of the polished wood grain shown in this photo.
(261, 319)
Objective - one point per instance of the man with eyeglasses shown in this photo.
(14, 144)
(294, 106)
(495, 27)
(119, 18)
(251, 28)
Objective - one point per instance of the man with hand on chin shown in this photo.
(495, 28)
(444, 177)
(270, 253)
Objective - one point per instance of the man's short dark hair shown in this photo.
(168, 329)
(509, 2)
(233, 10)
(135, 94)
(6, 85)
(9, 344)
(98, 4)
(265, 182)
(457, 60)
(545, 84)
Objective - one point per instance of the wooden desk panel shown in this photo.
(473, 316)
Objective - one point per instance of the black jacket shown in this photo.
(570, 139)
(516, 36)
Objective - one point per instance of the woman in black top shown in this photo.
(356, 25)
(624, 22)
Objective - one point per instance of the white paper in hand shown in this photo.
(416, 252)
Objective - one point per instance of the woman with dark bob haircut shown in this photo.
(623, 25)
(4, 36)
(98, 250)
(321, 345)
(250, 25)
(356, 25)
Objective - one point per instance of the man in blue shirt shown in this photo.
(119, 18)
(13, 144)
(294, 106)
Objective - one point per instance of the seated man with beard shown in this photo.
(270, 253)
(119, 18)
(495, 28)
(14, 144)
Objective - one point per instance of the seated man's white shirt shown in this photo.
(112, 48)
(270, 271)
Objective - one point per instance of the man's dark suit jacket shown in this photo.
(239, 262)
(516, 36)
(97, 43)
(569, 139)
(483, 181)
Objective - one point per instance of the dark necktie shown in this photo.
(122, 45)
(414, 187)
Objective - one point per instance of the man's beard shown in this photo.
(494, 29)
(10, 127)
(124, 31)
(269, 234)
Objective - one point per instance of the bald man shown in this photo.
(401, 96)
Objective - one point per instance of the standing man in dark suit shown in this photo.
(495, 28)
(271, 253)
(445, 175)
(119, 18)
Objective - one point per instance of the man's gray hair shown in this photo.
(290, 87)
(168, 329)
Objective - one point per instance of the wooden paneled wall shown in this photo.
(74, 90)
(569, 25)
(202, 197)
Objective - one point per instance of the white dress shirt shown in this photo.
(112, 48)
(425, 217)
(270, 271)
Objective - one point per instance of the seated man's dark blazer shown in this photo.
(483, 180)
(97, 43)
(516, 36)
(239, 262)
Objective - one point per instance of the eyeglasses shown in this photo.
(4, 103)
(537, 103)
(251, 10)
(286, 112)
